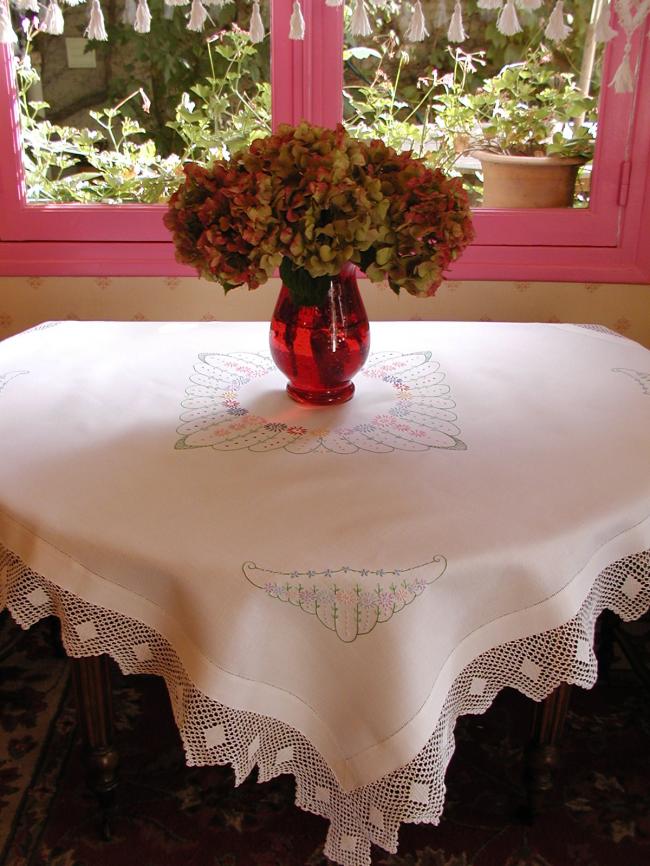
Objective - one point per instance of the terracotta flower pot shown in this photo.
(527, 181)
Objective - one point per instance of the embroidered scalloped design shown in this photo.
(348, 601)
(43, 326)
(422, 417)
(5, 378)
(602, 329)
(642, 379)
(214, 734)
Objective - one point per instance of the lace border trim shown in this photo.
(215, 734)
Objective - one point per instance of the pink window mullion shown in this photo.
(307, 75)
(544, 264)
(635, 219)
(12, 188)
(551, 264)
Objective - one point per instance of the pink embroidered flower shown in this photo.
(386, 601)
(307, 596)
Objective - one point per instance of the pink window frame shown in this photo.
(605, 243)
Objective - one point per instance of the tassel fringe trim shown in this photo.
(96, 28)
(628, 16)
(360, 24)
(556, 29)
(456, 32)
(7, 34)
(417, 30)
(256, 30)
(297, 23)
(142, 17)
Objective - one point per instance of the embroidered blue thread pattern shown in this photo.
(44, 326)
(348, 601)
(421, 419)
(5, 378)
(642, 379)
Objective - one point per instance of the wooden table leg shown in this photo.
(605, 639)
(95, 707)
(611, 632)
(542, 754)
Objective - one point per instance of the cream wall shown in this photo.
(26, 301)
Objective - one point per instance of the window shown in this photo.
(113, 121)
(601, 243)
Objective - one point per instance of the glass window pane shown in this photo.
(465, 106)
(113, 121)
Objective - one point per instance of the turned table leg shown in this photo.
(542, 754)
(95, 707)
(610, 633)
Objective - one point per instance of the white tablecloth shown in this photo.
(326, 589)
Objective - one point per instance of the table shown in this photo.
(325, 590)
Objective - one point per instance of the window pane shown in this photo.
(464, 106)
(113, 121)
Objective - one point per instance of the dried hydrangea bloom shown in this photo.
(318, 198)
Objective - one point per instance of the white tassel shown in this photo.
(256, 31)
(52, 23)
(556, 29)
(418, 27)
(198, 14)
(489, 4)
(622, 80)
(128, 14)
(530, 5)
(168, 12)
(96, 28)
(604, 32)
(142, 17)
(360, 24)
(456, 32)
(507, 22)
(340, 3)
(7, 33)
(177, 2)
(297, 23)
(73, 2)
(27, 6)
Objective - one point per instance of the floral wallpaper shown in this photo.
(26, 301)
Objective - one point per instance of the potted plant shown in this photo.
(529, 133)
(316, 203)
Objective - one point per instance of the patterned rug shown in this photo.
(170, 814)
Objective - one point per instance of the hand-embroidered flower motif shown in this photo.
(348, 601)
(420, 419)
(642, 379)
(5, 378)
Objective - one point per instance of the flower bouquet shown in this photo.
(314, 202)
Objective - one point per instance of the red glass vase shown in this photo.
(320, 348)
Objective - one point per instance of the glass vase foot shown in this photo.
(326, 397)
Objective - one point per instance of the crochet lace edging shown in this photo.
(215, 734)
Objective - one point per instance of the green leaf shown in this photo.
(304, 290)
